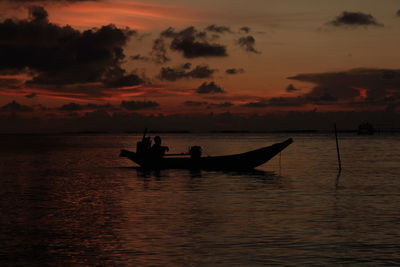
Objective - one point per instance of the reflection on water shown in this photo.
(197, 173)
(337, 181)
(69, 200)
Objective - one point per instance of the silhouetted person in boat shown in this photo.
(157, 150)
(195, 152)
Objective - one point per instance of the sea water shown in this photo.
(70, 200)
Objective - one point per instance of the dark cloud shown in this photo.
(221, 105)
(218, 29)
(60, 56)
(291, 88)
(233, 71)
(209, 88)
(173, 74)
(10, 83)
(15, 107)
(286, 101)
(245, 29)
(187, 66)
(77, 91)
(195, 103)
(326, 97)
(354, 19)
(256, 104)
(169, 33)
(41, 107)
(374, 83)
(139, 57)
(299, 101)
(159, 51)
(248, 43)
(193, 43)
(139, 105)
(157, 55)
(201, 72)
(207, 104)
(231, 97)
(355, 87)
(32, 95)
(38, 14)
(123, 80)
(79, 107)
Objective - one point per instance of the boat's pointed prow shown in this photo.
(288, 141)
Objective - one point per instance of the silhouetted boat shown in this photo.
(243, 161)
(366, 128)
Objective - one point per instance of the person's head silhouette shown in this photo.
(157, 140)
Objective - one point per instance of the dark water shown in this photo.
(71, 201)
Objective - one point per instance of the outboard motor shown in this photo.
(195, 152)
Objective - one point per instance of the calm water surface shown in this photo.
(71, 201)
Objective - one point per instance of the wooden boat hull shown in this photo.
(243, 161)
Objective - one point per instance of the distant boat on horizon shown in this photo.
(366, 128)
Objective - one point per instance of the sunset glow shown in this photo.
(124, 13)
(176, 57)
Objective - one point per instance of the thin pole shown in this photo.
(337, 148)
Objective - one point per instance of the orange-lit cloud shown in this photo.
(133, 14)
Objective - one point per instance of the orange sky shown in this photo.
(291, 38)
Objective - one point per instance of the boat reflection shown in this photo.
(197, 173)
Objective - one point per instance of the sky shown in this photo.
(86, 64)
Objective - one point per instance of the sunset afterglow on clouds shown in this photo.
(173, 58)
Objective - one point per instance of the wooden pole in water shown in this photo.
(337, 148)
